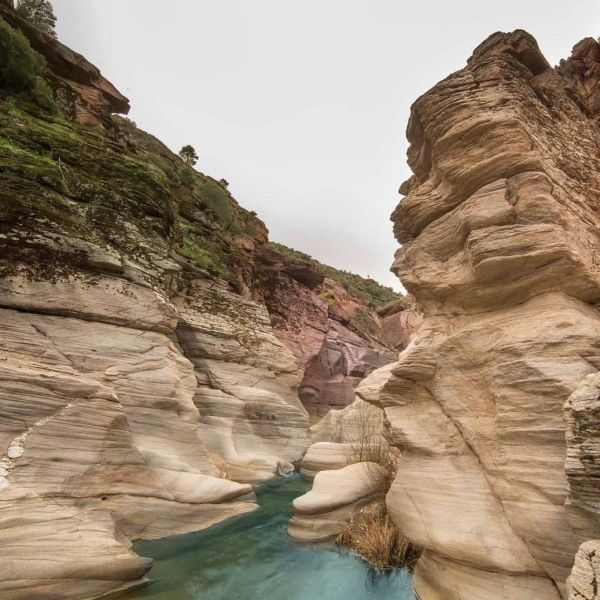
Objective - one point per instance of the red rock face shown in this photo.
(332, 375)
(334, 336)
(400, 322)
(298, 314)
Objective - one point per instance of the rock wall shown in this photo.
(582, 417)
(251, 419)
(500, 247)
(102, 445)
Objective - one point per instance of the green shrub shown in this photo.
(187, 177)
(216, 198)
(42, 95)
(367, 289)
(21, 68)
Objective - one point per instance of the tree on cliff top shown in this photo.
(39, 13)
(21, 69)
(188, 155)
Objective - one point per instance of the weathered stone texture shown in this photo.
(500, 247)
(584, 582)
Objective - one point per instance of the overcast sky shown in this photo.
(302, 106)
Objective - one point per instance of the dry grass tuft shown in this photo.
(373, 535)
(371, 532)
(364, 431)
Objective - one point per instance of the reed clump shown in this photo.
(372, 534)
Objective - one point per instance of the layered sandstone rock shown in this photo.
(500, 239)
(252, 420)
(101, 436)
(582, 417)
(343, 437)
(108, 430)
(335, 496)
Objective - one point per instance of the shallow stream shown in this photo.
(251, 557)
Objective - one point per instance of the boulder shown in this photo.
(334, 498)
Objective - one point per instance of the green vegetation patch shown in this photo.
(216, 198)
(21, 69)
(69, 178)
(199, 249)
(7, 145)
(368, 290)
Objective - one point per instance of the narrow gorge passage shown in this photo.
(252, 556)
(173, 375)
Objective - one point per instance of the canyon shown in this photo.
(160, 356)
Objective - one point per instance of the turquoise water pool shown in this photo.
(251, 557)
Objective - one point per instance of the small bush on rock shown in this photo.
(371, 532)
(187, 177)
(364, 434)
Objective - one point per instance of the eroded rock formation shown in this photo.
(500, 247)
(344, 436)
(336, 339)
(336, 495)
(252, 421)
(584, 581)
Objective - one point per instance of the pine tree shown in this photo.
(39, 13)
(188, 155)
